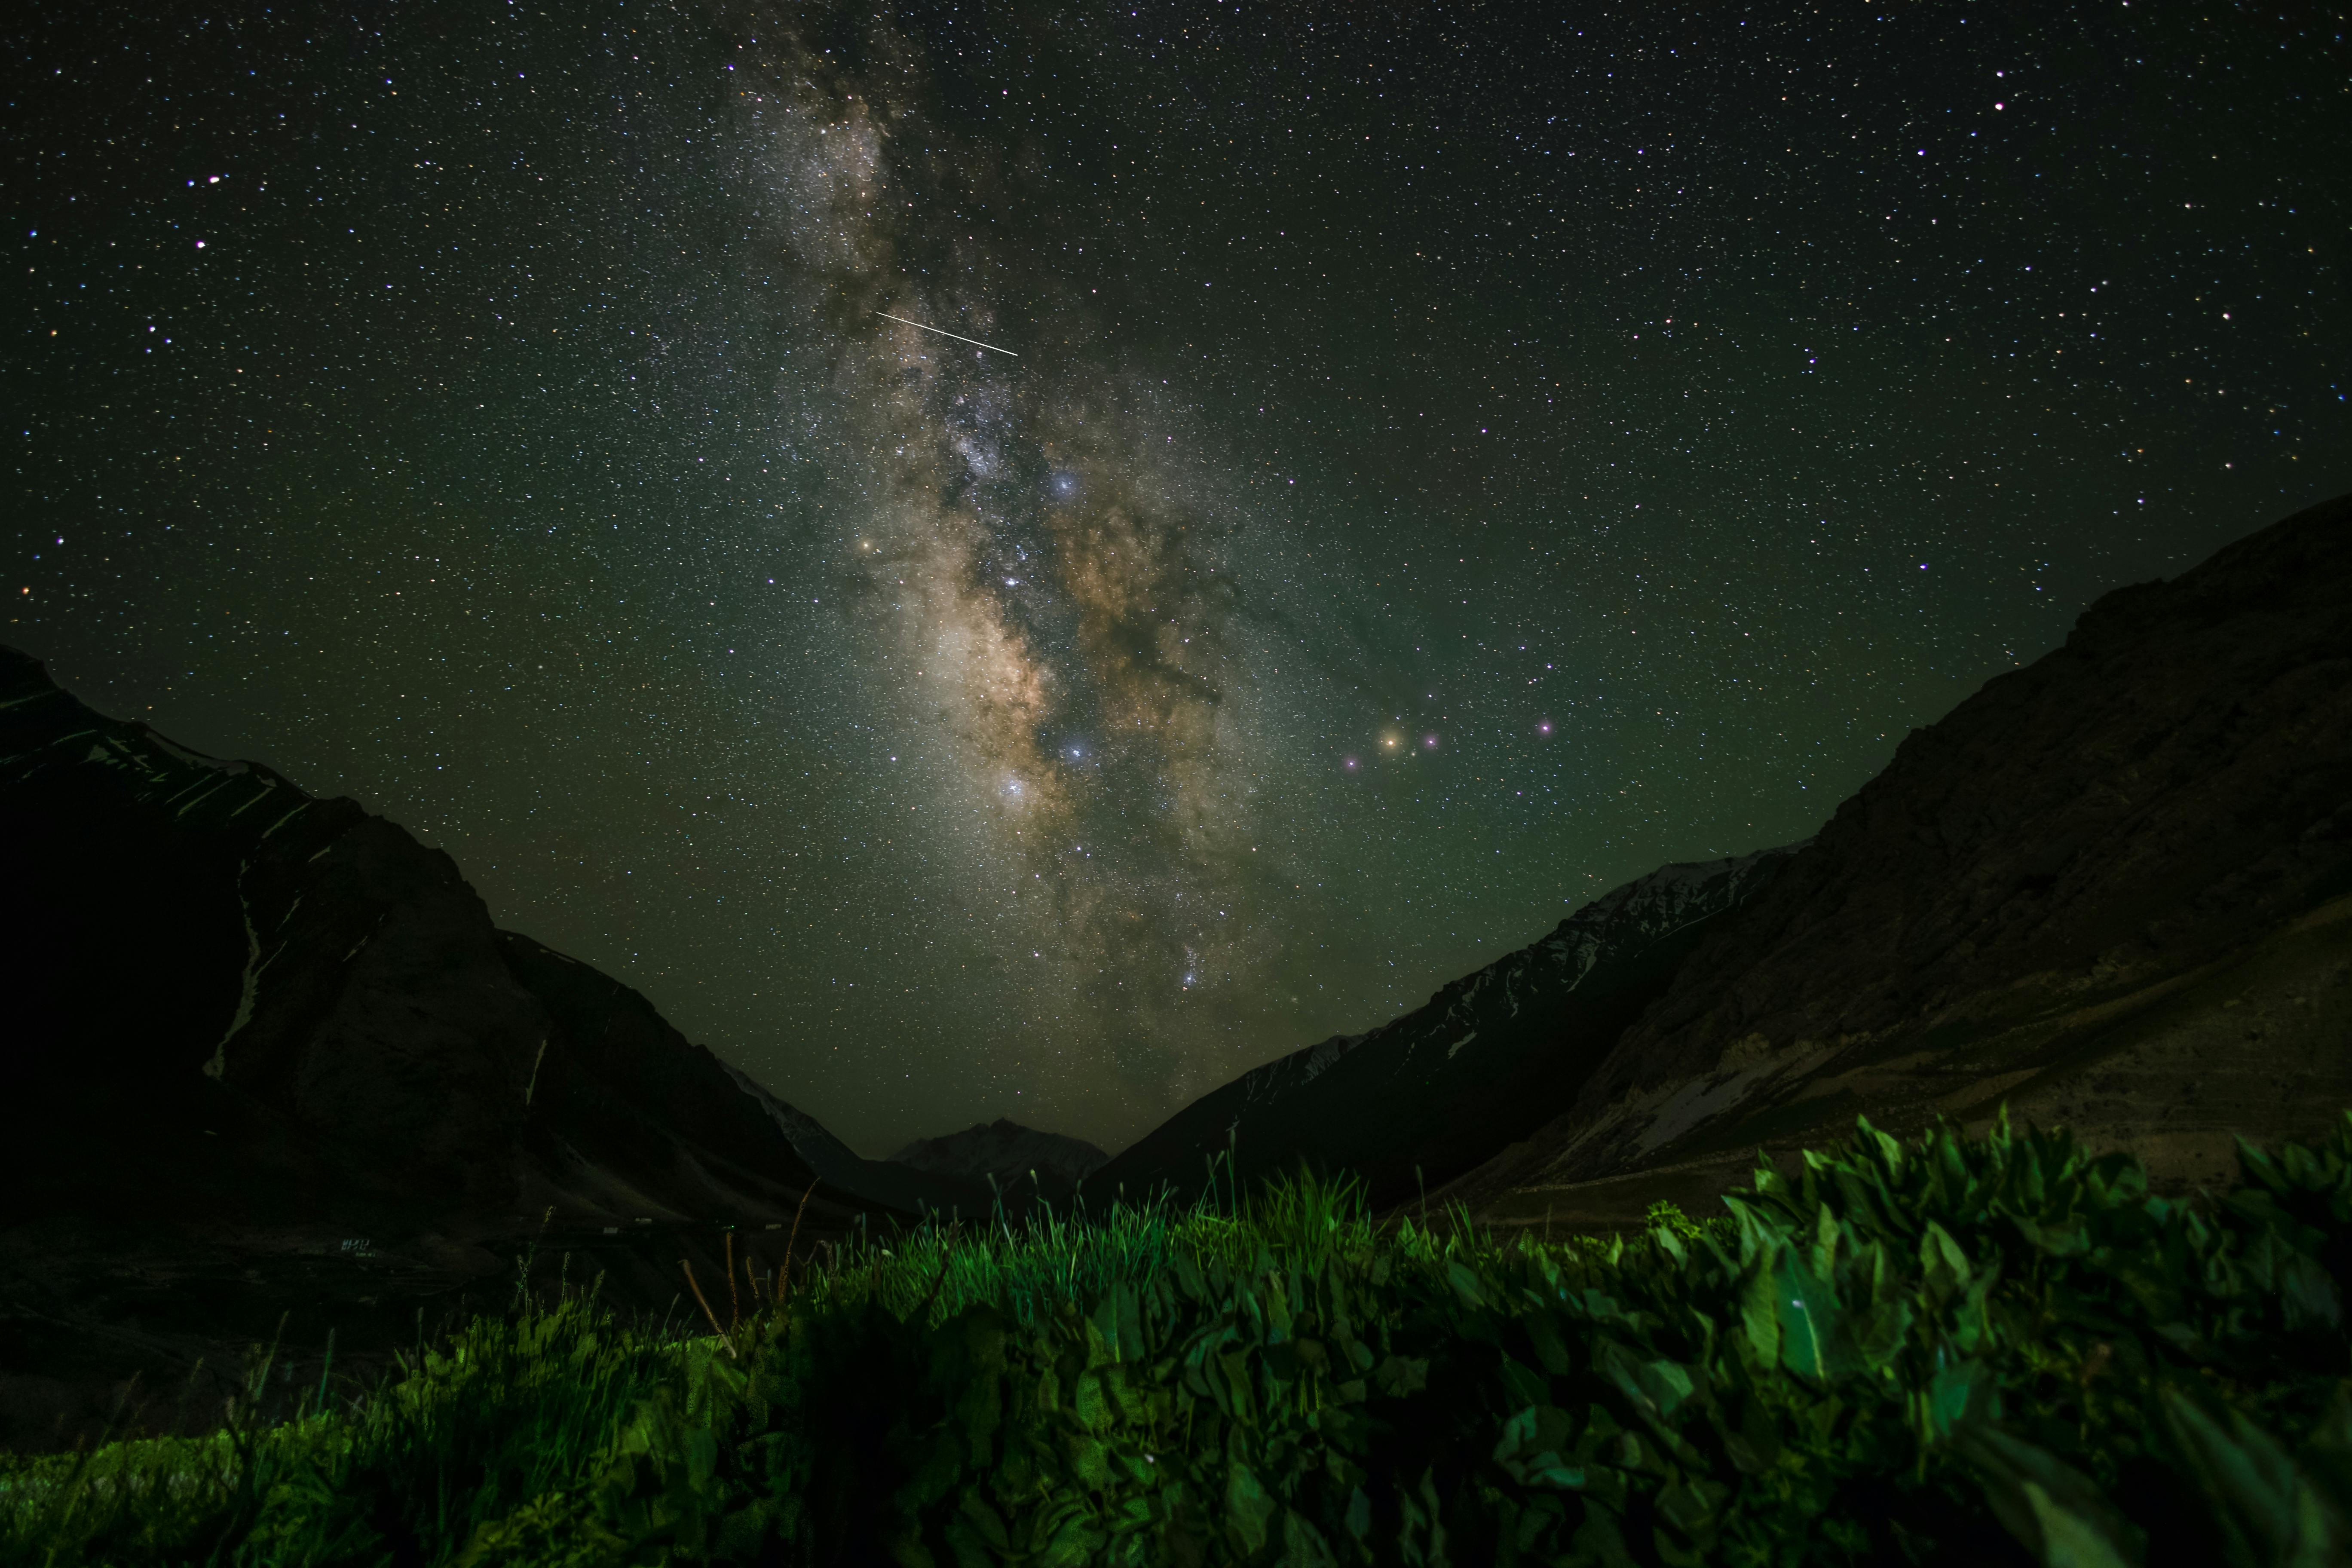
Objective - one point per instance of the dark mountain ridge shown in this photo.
(207, 940)
(1487, 1059)
(1022, 1160)
(2112, 889)
(267, 1053)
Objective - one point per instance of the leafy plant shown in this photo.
(1950, 1349)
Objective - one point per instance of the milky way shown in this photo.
(1442, 467)
(1036, 572)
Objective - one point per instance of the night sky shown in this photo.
(1448, 462)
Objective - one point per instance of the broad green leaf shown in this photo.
(2309, 1294)
(1942, 1261)
(1880, 1333)
(983, 1520)
(1812, 1325)
(1692, 1507)
(1961, 1392)
(1550, 1349)
(1075, 1540)
(1599, 1540)
(1465, 1283)
(2064, 1238)
(1755, 1447)
(1234, 1365)
(2272, 1511)
(1091, 1403)
(1666, 1382)
(1759, 1313)
(1303, 1545)
(1523, 1385)
(1090, 1463)
(2068, 1539)
(1535, 1449)
(2047, 1504)
(1825, 1245)
(1249, 1508)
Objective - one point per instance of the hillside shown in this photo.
(1487, 1059)
(266, 1052)
(2112, 889)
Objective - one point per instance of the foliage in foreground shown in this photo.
(1957, 1350)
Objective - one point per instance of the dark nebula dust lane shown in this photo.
(1441, 464)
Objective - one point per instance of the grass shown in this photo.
(512, 1410)
(1981, 1351)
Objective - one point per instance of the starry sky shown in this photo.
(1435, 463)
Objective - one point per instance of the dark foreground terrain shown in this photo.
(266, 1055)
(1984, 1352)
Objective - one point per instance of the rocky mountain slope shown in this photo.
(916, 1190)
(1018, 1158)
(215, 954)
(253, 1035)
(1486, 1060)
(2112, 889)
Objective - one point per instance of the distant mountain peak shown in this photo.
(1008, 1152)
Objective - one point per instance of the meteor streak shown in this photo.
(942, 331)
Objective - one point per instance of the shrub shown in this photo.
(1942, 1351)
